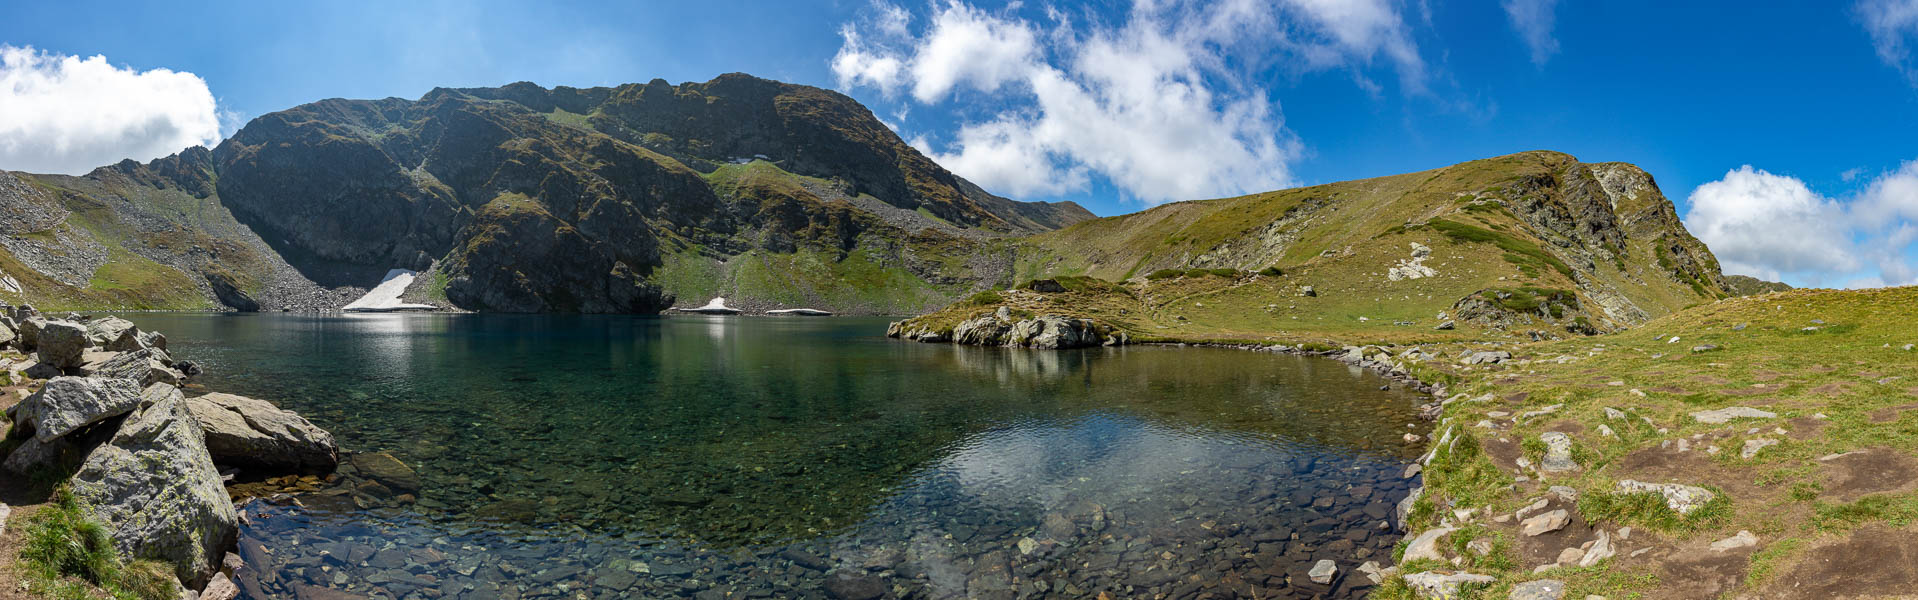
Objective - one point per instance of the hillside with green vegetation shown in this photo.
(1531, 245)
(1794, 413)
(526, 199)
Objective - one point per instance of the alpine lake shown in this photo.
(793, 457)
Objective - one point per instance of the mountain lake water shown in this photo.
(762, 457)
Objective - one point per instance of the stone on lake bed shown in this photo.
(387, 470)
(1323, 572)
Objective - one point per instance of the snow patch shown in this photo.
(385, 297)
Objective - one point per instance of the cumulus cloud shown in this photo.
(1533, 20)
(1893, 24)
(1775, 227)
(66, 114)
(1150, 103)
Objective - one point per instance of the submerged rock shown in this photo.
(387, 470)
(253, 434)
(154, 486)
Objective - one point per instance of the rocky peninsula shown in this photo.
(101, 436)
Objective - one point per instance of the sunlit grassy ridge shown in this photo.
(1835, 367)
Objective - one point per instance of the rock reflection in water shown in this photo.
(602, 457)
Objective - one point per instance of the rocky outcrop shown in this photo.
(155, 487)
(146, 366)
(61, 343)
(66, 404)
(1005, 328)
(253, 434)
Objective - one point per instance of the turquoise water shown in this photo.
(721, 457)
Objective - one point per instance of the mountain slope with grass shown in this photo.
(1530, 245)
(526, 199)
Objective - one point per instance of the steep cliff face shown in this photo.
(522, 198)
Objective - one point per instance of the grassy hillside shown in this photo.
(1826, 475)
(1532, 243)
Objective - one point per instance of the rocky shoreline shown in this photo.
(151, 465)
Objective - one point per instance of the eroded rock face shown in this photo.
(154, 485)
(69, 403)
(253, 434)
(146, 366)
(61, 343)
(1002, 328)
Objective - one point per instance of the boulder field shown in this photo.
(147, 462)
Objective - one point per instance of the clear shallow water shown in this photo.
(716, 457)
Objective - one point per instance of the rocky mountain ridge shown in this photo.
(525, 199)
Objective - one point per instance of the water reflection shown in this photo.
(657, 457)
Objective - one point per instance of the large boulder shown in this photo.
(1053, 332)
(146, 365)
(61, 343)
(30, 331)
(66, 404)
(154, 486)
(101, 332)
(34, 454)
(253, 434)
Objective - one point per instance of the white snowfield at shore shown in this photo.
(385, 297)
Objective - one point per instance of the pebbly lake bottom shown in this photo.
(726, 457)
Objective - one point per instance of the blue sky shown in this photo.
(1782, 130)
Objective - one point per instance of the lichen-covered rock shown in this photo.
(1679, 497)
(1054, 332)
(35, 454)
(69, 403)
(253, 434)
(61, 343)
(101, 332)
(1444, 586)
(154, 486)
(146, 366)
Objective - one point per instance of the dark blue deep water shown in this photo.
(728, 457)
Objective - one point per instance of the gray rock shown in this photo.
(253, 434)
(1542, 589)
(1753, 446)
(147, 366)
(220, 588)
(1404, 509)
(1487, 357)
(154, 486)
(1601, 549)
(29, 331)
(1053, 332)
(5, 511)
(1446, 326)
(1322, 572)
(1724, 415)
(61, 343)
(1545, 523)
(69, 403)
(1425, 545)
(1744, 539)
(1444, 586)
(1680, 498)
(35, 454)
(1558, 453)
(849, 586)
(387, 470)
(101, 332)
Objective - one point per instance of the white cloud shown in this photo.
(1775, 227)
(65, 114)
(1534, 20)
(1892, 24)
(1150, 104)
